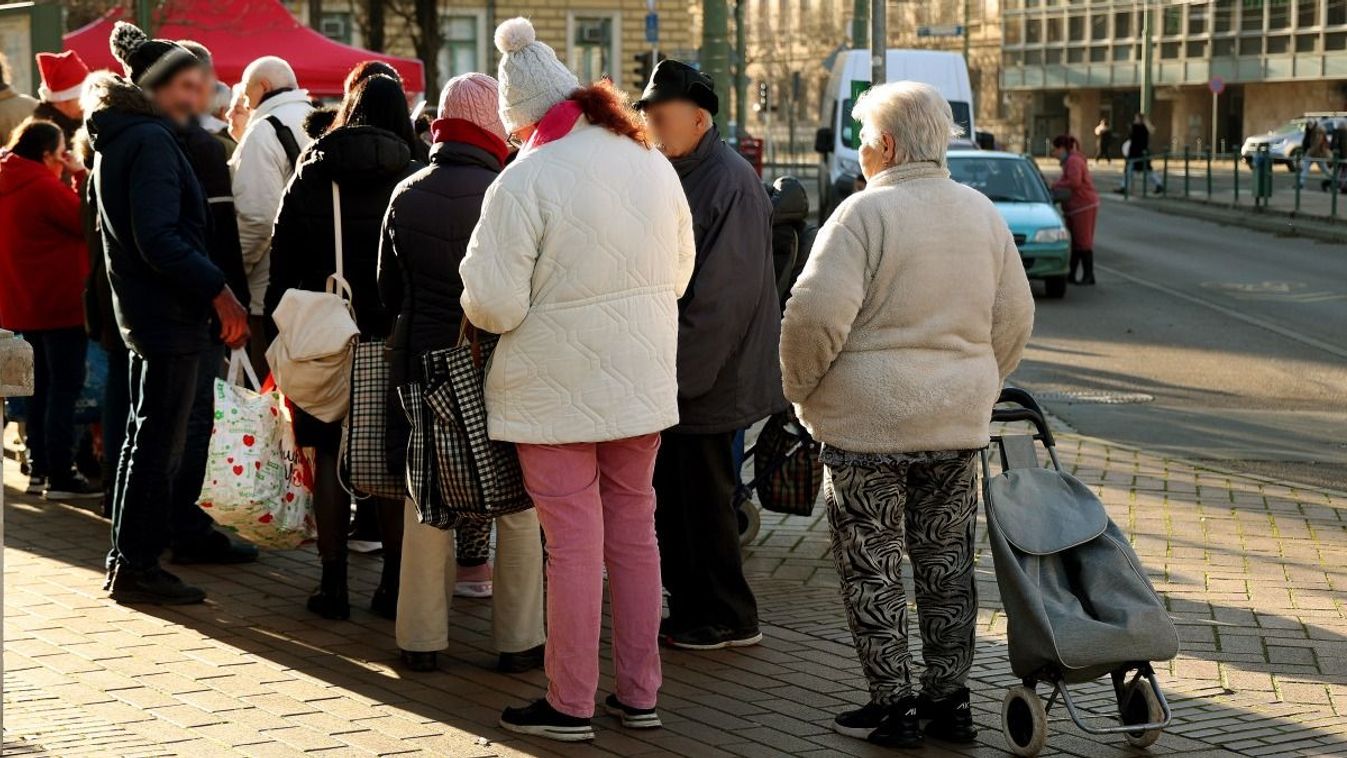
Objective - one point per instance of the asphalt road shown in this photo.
(1205, 342)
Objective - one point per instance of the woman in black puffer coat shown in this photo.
(367, 153)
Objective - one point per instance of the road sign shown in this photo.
(1216, 85)
(652, 27)
(941, 30)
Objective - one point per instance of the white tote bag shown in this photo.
(312, 354)
(258, 481)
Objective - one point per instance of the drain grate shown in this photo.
(1095, 397)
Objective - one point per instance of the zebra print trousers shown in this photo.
(927, 503)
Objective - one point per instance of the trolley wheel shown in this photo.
(1024, 722)
(750, 521)
(1140, 706)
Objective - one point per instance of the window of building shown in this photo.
(1197, 19)
(1122, 25)
(1098, 26)
(1307, 13)
(1197, 49)
(1033, 31)
(463, 49)
(1012, 32)
(1251, 16)
(1279, 44)
(1075, 55)
(1054, 31)
(1075, 28)
(337, 26)
(593, 47)
(1052, 55)
(1223, 16)
(1171, 22)
(1099, 53)
(1251, 46)
(1307, 43)
(1169, 50)
(1335, 41)
(1012, 59)
(1223, 47)
(1336, 13)
(1033, 57)
(1279, 14)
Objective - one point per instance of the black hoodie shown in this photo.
(152, 214)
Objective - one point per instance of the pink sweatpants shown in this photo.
(597, 507)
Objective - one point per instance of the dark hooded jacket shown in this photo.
(50, 112)
(152, 216)
(426, 234)
(367, 163)
(206, 153)
(729, 373)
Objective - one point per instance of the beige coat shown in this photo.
(14, 108)
(911, 312)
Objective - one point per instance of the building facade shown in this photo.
(595, 38)
(1067, 64)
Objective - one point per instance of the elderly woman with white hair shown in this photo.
(911, 312)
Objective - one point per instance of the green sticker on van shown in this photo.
(851, 130)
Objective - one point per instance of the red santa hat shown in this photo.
(63, 76)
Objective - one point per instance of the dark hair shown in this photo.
(379, 102)
(605, 105)
(1066, 141)
(365, 70)
(201, 52)
(319, 121)
(34, 138)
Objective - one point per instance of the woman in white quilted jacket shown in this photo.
(584, 246)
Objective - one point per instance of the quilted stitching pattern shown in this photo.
(584, 247)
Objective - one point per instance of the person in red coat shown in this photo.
(43, 264)
(1080, 208)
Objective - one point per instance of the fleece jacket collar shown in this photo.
(907, 172)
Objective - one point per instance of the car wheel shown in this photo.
(1055, 287)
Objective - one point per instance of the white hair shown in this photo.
(275, 70)
(914, 114)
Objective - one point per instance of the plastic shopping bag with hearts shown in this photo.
(258, 481)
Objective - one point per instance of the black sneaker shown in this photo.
(541, 719)
(154, 586)
(214, 547)
(713, 638)
(950, 718)
(861, 722)
(632, 718)
(70, 487)
(36, 485)
(521, 661)
(901, 727)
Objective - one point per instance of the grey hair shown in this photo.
(275, 70)
(223, 96)
(915, 115)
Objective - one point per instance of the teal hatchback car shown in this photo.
(1022, 196)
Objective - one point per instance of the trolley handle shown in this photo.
(1028, 410)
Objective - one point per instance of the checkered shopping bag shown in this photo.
(363, 439)
(787, 471)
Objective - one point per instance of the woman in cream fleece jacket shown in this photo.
(909, 315)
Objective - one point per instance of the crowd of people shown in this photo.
(623, 253)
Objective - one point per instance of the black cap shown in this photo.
(675, 80)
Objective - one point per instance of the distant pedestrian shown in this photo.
(426, 232)
(1081, 207)
(165, 287)
(366, 154)
(214, 104)
(1315, 150)
(63, 76)
(1103, 141)
(42, 270)
(729, 374)
(1138, 154)
(911, 312)
(584, 247)
(14, 105)
(262, 166)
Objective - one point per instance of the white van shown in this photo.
(838, 138)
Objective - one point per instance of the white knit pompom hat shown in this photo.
(532, 80)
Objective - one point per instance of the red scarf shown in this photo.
(555, 124)
(469, 133)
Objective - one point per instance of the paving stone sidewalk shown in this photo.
(1253, 572)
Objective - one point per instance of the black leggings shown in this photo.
(332, 512)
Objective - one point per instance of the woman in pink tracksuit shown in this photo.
(1081, 208)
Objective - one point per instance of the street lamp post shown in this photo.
(860, 22)
(1147, 72)
(716, 49)
(879, 38)
(144, 17)
(740, 71)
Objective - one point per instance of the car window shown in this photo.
(1004, 180)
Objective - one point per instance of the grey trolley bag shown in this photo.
(1077, 601)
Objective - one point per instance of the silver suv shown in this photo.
(1284, 143)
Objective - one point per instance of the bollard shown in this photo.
(1333, 190)
(1145, 174)
(1127, 178)
(1164, 174)
(1211, 155)
(1236, 178)
(1185, 171)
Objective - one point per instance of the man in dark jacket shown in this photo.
(729, 375)
(152, 214)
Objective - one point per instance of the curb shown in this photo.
(1273, 222)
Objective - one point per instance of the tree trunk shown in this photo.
(316, 15)
(376, 26)
(428, 49)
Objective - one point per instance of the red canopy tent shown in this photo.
(240, 31)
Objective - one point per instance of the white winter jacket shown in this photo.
(261, 171)
(584, 246)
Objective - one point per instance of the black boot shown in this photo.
(419, 660)
(385, 599)
(1075, 264)
(950, 718)
(1087, 265)
(330, 599)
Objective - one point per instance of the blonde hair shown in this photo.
(915, 115)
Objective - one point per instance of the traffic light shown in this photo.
(645, 67)
(763, 97)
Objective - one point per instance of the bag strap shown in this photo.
(336, 283)
(287, 139)
(239, 363)
(468, 332)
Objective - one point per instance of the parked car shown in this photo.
(1284, 143)
(1021, 194)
